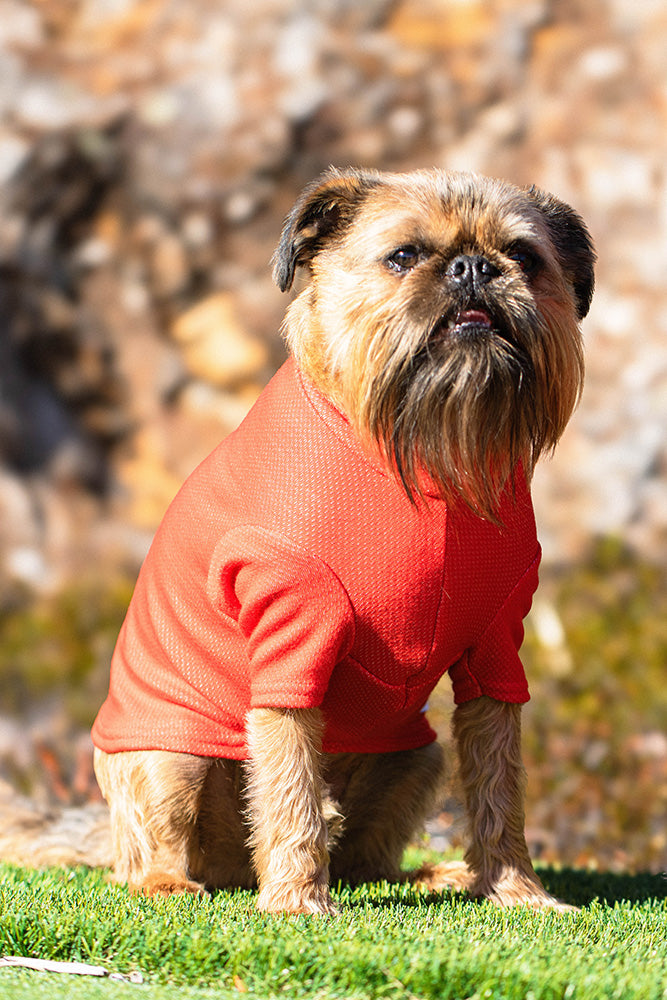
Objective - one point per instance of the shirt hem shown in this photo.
(240, 751)
(498, 694)
(287, 699)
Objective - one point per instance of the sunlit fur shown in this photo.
(497, 865)
(289, 832)
(181, 823)
(461, 412)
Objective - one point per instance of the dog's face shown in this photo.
(442, 317)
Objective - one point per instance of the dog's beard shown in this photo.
(465, 405)
(459, 421)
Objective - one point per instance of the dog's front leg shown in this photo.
(289, 833)
(488, 738)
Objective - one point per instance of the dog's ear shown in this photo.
(323, 210)
(573, 244)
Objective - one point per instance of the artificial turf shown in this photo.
(387, 941)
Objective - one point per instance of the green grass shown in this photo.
(388, 941)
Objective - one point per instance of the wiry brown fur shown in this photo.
(184, 824)
(456, 366)
(466, 411)
(497, 865)
(176, 821)
(289, 832)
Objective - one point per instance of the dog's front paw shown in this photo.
(513, 887)
(510, 887)
(312, 898)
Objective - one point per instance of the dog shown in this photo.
(367, 529)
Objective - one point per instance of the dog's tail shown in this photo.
(36, 836)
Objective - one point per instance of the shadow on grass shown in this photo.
(575, 886)
(581, 887)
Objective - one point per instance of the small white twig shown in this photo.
(67, 968)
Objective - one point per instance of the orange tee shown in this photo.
(291, 570)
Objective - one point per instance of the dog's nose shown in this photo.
(471, 270)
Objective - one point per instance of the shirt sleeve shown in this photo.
(492, 667)
(292, 610)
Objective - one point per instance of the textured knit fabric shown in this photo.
(292, 571)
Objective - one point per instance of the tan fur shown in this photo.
(462, 402)
(467, 415)
(154, 797)
(184, 823)
(384, 800)
(289, 832)
(497, 865)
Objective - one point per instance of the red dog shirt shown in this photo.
(291, 570)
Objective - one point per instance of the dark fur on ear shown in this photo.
(573, 243)
(324, 208)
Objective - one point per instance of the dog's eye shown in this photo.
(405, 258)
(526, 259)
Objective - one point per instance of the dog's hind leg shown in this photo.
(384, 800)
(497, 864)
(220, 857)
(153, 798)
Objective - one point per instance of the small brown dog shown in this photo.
(367, 529)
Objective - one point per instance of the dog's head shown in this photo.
(442, 317)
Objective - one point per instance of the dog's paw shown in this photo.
(511, 888)
(517, 888)
(312, 899)
(164, 884)
(534, 900)
(445, 875)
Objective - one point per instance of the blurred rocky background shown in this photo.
(149, 150)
